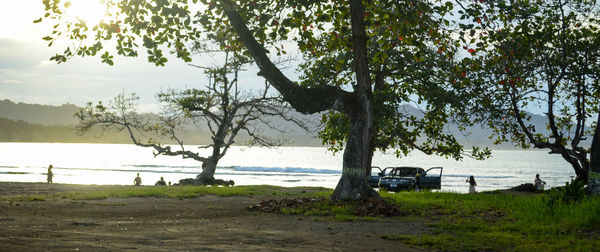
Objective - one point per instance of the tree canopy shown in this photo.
(362, 63)
(537, 55)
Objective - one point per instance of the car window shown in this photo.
(405, 172)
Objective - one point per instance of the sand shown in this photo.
(208, 223)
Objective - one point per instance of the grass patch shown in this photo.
(481, 222)
(28, 198)
(497, 222)
(183, 192)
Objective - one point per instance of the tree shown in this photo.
(537, 55)
(594, 175)
(363, 62)
(221, 107)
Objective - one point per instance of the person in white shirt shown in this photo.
(538, 183)
(472, 184)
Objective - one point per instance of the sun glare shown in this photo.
(90, 11)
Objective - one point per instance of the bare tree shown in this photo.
(222, 108)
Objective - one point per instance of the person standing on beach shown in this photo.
(472, 184)
(49, 178)
(538, 183)
(137, 180)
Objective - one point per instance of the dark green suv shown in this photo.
(409, 178)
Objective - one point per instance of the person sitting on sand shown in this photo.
(472, 184)
(137, 180)
(161, 182)
(50, 175)
(538, 183)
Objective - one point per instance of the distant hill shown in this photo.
(44, 123)
(39, 114)
(21, 122)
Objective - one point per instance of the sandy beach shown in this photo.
(207, 223)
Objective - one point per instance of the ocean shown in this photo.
(117, 164)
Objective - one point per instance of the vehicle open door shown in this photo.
(432, 178)
(376, 174)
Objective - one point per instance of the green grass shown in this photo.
(182, 192)
(29, 198)
(497, 222)
(483, 222)
(179, 192)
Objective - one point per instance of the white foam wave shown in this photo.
(284, 169)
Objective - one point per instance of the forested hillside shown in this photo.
(39, 114)
(20, 122)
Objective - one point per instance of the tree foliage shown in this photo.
(362, 63)
(542, 55)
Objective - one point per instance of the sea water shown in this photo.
(283, 166)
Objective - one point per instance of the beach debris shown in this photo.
(368, 207)
(205, 182)
(527, 187)
(85, 224)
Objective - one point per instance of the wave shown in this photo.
(478, 176)
(284, 169)
(221, 170)
(246, 168)
(17, 173)
(127, 170)
(164, 166)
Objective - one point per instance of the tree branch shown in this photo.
(306, 100)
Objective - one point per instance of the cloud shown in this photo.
(15, 54)
(11, 81)
(8, 43)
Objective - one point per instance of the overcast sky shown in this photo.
(26, 74)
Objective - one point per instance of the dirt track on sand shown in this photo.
(208, 223)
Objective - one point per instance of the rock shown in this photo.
(527, 187)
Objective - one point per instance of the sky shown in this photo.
(27, 75)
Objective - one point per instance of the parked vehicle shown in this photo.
(376, 174)
(407, 178)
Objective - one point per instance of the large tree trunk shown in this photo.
(208, 171)
(580, 168)
(353, 183)
(594, 172)
(207, 176)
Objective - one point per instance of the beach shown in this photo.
(206, 223)
(118, 164)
